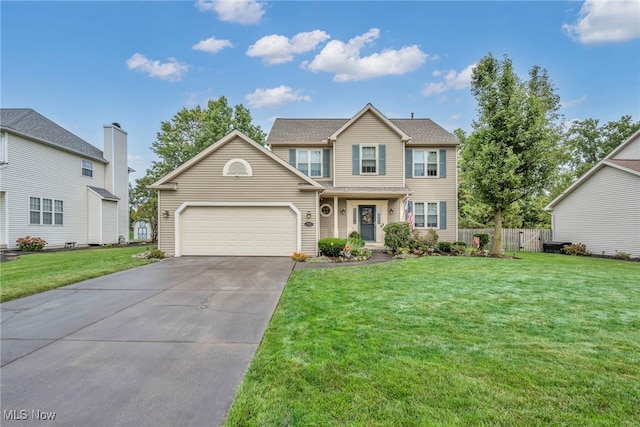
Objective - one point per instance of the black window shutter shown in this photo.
(326, 163)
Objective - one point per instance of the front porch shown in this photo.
(364, 210)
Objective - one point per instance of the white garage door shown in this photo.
(238, 230)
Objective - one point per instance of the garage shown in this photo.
(248, 230)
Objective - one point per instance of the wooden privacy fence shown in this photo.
(513, 239)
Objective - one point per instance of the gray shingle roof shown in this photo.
(30, 123)
(315, 131)
(104, 193)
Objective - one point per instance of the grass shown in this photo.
(543, 340)
(38, 272)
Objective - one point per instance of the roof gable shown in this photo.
(29, 123)
(318, 131)
(369, 108)
(221, 143)
(627, 165)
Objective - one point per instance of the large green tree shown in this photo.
(188, 133)
(513, 152)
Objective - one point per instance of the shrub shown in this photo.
(331, 246)
(623, 255)
(576, 249)
(484, 239)
(397, 235)
(460, 244)
(444, 247)
(155, 254)
(355, 235)
(299, 256)
(356, 245)
(31, 244)
(458, 249)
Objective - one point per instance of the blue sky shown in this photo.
(85, 64)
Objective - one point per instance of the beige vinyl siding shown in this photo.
(271, 182)
(440, 189)
(603, 213)
(631, 151)
(282, 152)
(368, 129)
(38, 170)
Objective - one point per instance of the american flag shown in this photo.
(409, 212)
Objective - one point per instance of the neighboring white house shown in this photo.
(56, 186)
(602, 208)
(142, 230)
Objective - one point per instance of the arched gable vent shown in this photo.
(237, 167)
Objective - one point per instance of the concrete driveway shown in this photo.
(166, 344)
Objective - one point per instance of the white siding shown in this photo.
(109, 222)
(603, 213)
(3, 218)
(117, 174)
(94, 212)
(631, 151)
(37, 170)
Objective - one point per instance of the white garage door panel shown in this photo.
(225, 230)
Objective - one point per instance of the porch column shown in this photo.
(336, 232)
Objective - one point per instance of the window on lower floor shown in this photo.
(426, 215)
(44, 211)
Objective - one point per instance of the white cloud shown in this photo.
(211, 45)
(606, 21)
(573, 102)
(275, 97)
(452, 80)
(344, 60)
(171, 71)
(455, 117)
(278, 49)
(239, 11)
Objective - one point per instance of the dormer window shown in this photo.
(237, 167)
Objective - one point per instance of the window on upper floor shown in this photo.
(309, 162)
(368, 159)
(87, 168)
(425, 163)
(429, 214)
(43, 211)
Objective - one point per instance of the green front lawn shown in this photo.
(543, 340)
(33, 273)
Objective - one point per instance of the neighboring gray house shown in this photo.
(320, 178)
(602, 208)
(56, 186)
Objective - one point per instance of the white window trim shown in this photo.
(82, 168)
(4, 150)
(247, 167)
(330, 210)
(426, 157)
(377, 172)
(309, 150)
(426, 214)
(41, 211)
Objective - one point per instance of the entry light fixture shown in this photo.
(391, 211)
(165, 214)
(308, 214)
(343, 211)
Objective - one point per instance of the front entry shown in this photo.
(367, 223)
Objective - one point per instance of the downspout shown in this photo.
(336, 230)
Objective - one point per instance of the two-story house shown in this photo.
(318, 178)
(56, 186)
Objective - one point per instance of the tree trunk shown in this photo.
(497, 232)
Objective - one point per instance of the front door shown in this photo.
(368, 223)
